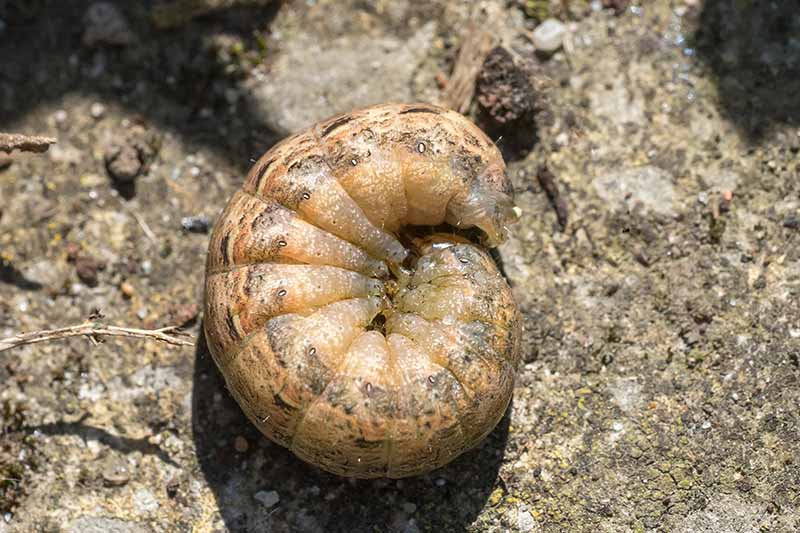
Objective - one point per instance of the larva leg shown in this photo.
(457, 283)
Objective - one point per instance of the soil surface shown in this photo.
(657, 263)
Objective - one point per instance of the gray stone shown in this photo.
(313, 80)
(145, 501)
(548, 36)
(525, 521)
(98, 524)
(724, 513)
(267, 498)
(650, 187)
(50, 274)
(105, 24)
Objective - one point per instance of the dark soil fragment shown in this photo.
(504, 91)
(507, 101)
(128, 157)
(87, 268)
(548, 182)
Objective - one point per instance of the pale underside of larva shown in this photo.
(344, 333)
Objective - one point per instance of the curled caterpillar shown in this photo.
(346, 328)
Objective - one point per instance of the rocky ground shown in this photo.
(655, 156)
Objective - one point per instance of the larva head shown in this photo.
(488, 205)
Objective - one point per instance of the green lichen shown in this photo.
(538, 10)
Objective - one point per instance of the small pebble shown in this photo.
(409, 507)
(240, 444)
(267, 498)
(791, 222)
(60, 116)
(97, 110)
(145, 502)
(142, 313)
(548, 36)
(411, 527)
(116, 473)
(105, 24)
(87, 269)
(196, 224)
(127, 289)
(525, 521)
(441, 482)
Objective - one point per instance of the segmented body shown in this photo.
(343, 332)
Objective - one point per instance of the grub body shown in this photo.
(366, 352)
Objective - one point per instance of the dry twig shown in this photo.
(548, 182)
(461, 87)
(93, 330)
(25, 143)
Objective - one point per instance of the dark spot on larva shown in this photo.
(472, 140)
(280, 404)
(234, 333)
(421, 109)
(362, 443)
(262, 172)
(341, 121)
(269, 216)
(223, 248)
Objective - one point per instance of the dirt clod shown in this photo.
(504, 91)
(128, 156)
(87, 269)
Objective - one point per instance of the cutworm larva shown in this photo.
(347, 328)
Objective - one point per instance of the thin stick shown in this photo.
(25, 143)
(93, 330)
(142, 224)
(461, 87)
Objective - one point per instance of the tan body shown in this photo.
(364, 351)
